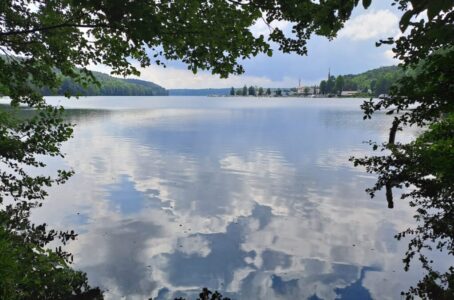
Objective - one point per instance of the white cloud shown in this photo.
(195, 245)
(389, 54)
(371, 25)
(173, 78)
(262, 28)
(179, 78)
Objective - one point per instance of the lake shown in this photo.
(252, 197)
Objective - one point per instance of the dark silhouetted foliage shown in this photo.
(206, 294)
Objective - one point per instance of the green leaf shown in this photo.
(405, 20)
(436, 7)
(366, 3)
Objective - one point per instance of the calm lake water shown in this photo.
(255, 198)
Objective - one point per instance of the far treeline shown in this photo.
(374, 83)
(108, 86)
(254, 91)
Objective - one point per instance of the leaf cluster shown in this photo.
(28, 271)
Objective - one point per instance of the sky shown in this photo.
(352, 52)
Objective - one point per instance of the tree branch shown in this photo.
(48, 28)
(391, 142)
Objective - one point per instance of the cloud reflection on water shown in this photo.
(258, 203)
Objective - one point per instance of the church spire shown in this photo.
(329, 73)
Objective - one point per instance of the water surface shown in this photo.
(255, 198)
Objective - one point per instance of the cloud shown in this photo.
(389, 55)
(262, 28)
(175, 78)
(371, 25)
(179, 78)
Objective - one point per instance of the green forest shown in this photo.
(376, 81)
(371, 83)
(108, 86)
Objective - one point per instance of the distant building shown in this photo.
(300, 89)
(312, 90)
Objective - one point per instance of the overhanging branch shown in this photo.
(48, 28)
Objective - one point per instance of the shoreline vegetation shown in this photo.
(311, 96)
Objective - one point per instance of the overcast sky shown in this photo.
(353, 51)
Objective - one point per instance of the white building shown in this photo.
(312, 89)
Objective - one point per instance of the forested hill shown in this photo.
(110, 86)
(376, 81)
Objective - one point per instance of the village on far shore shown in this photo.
(347, 86)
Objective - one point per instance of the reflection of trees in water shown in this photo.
(86, 115)
(71, 114)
